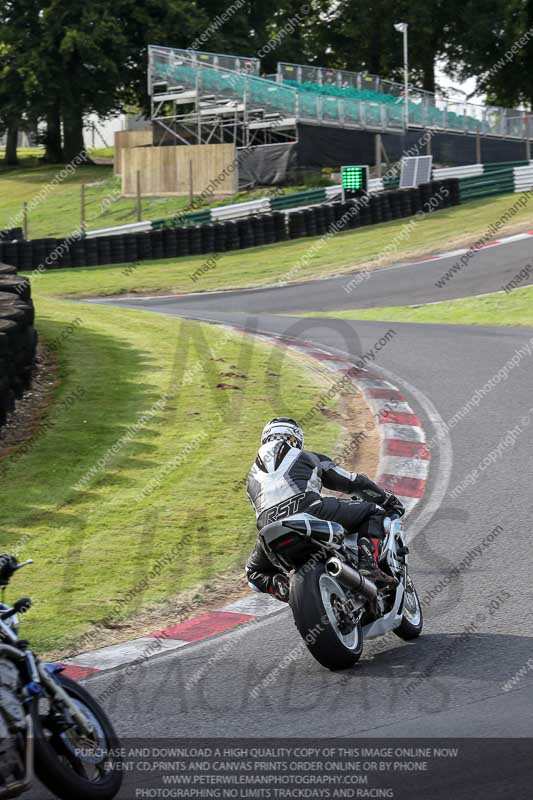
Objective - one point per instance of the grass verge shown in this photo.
(499, 308)
(133, 488)
(367, 248)
(54, 197)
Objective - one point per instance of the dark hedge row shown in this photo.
(218, 237)
(18, 339)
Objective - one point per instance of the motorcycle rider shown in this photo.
(286, 479)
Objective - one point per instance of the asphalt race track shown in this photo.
(478, 629)
(462, 695)
(488, 270)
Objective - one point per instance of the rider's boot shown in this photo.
(368, 564)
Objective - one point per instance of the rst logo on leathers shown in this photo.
(285, 509)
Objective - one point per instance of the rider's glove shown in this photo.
(280, 587)
(393, 505)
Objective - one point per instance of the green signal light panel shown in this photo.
(354, 179)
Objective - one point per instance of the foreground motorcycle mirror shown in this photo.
(22, 605)
(24, 563)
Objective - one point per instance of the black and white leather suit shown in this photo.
(285, 480)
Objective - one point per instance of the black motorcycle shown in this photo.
(335, 607)
(47, 721)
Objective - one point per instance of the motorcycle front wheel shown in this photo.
(70, 764)
(412, 620)
(321, 611)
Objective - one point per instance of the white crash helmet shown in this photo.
(283, 428)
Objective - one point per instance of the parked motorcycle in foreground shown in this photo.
(47, 721)
(335, 607)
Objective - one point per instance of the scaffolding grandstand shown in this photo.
(202, 98)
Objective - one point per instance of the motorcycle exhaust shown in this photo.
(350, 578)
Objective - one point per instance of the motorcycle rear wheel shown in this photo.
(316, 601)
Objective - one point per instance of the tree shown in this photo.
(493, 42)
(18, 27)
(359, 37)
(64, 59)
(362, 37)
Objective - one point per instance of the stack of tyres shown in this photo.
(280, 226)
(182, 241)
(365, 214)
(220, 237)
(416, 201)
(103, 250)
(246, 234)
(144, 246)
(209, 238)
(386, 211)
(270, 230)
(10, 253)
(52, 254)
(91, 252)
(453, 187)
(329, 216)
(441, 190)
(158, 250)
(11, 234)
(431, 199)
(118, 249)
(425, 190)
(7, 393)
(348, 215)
(310, 222)
(170, 243)
(395, 204)
(29, 256)
(11, 301)
(232, 235)
(320, 220)
(339, 211)
(34, 252)
(131, 253)
(195, 240)
(62, 255)
(13, 284)
(259, 230)
(18, 339)
(77, 253)
(406, 202)
(296, 225)
(438, 195)
(375, 209)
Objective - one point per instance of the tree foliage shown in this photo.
(63, 59)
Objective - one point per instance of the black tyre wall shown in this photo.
(18, 339)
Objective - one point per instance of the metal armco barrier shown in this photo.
(497, 179)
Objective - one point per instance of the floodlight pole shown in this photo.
(406, 76)
(402, 27)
